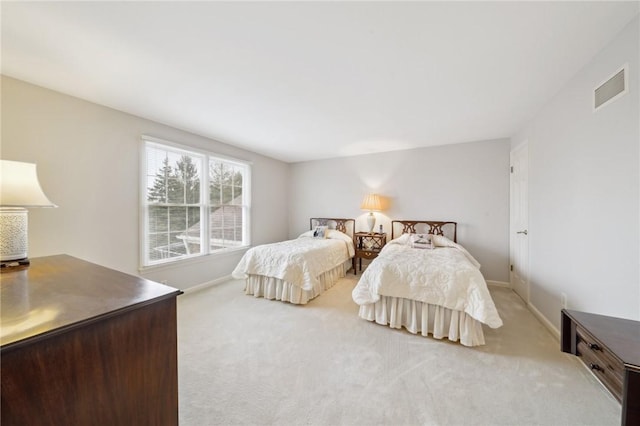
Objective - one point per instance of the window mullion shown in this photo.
(205, 211)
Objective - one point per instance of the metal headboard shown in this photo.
(435, 227)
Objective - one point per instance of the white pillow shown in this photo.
(403, 240)
(338, 235)
(330, 233)
(441, 241)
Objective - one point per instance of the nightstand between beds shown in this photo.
(368, 246)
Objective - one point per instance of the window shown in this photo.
(194, 203)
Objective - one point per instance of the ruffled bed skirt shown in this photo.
(277, 289)
(424, 318)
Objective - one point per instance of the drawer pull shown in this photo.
(594, 347)
(595, 367)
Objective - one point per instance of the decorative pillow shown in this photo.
(421, 241)
(320, 232)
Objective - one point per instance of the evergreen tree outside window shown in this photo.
(191, 197)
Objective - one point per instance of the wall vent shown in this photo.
(612, 89)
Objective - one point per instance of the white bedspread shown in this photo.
(444, 276)
(299, 262)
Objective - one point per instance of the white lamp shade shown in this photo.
(19, 186)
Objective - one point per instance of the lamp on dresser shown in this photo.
(372, 203)
(19, 190)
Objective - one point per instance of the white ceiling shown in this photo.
(300, 81)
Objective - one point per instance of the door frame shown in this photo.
(512, 225)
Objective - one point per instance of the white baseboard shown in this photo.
(207, 284)
(499, 283)
(544, 321)
(536, 313)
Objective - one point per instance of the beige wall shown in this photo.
(467, 183)
(88, 164)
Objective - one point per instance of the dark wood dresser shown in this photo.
(610, 347)
(82, 344)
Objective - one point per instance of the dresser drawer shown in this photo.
(367, 254)
(615, 364)
(601, 361)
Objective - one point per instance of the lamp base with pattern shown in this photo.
(13, 237)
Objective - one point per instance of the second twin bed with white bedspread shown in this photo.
(428, 284)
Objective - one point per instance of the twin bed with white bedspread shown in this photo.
(298, 270)
(436, 290)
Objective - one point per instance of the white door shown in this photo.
(519, 238)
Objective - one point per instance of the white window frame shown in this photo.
(205, 204)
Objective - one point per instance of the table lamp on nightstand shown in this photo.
(19, 189)
(372, 203)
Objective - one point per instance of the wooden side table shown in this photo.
(368, 246)
(610, 348)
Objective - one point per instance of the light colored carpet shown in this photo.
(251, 361)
